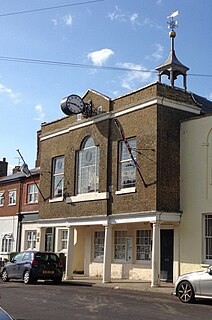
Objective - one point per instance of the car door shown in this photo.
(206, 283)
(22, 263)
(12, 269)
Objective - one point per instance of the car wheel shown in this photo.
(185, 292)
(27, 277)
(4, 275)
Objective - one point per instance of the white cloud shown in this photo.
(68, 19)
(55, 22)
(157, 54)
(118, 15)
(40, 113)
(134, 19)
(136, 77)
(8, 92)
(100, 57)
(210, 96)
(150, 23)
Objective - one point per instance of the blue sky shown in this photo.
(109, 33)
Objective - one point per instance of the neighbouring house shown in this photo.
(18, 203)
(196, 194)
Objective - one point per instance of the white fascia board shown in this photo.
(145, 216)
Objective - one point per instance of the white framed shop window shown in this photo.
(122, 246)
(98, 246)
(207, 238)
(143, 245)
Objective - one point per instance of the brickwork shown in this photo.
(156, 129)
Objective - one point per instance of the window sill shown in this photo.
(126, 190)
(59, 199)
(92, 196)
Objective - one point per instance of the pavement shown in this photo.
(165, 287)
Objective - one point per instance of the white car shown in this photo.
(194, 285)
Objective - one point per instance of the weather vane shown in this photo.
(172, 24)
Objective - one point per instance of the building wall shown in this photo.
(196, 190)
(8, 225)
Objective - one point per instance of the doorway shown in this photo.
(49, 239)
(166, 254)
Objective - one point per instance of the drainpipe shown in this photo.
(109, 163)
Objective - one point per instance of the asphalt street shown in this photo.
(73, 301)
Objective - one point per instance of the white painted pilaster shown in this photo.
(41, 243)
(107, 254)
(155, 281)
(176, 264)
(87, 258)
(70, 253)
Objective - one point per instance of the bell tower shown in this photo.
(172, 67)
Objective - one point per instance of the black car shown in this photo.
(33, 265)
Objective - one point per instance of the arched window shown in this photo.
(88, 167)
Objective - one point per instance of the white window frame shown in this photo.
(57, 177)
(207, 238)
(122, 246)
(98, 245)
(6, 243)
(30, 239)
(64, 239)
(12, 198)
(126, 166)
(32, 193)
(143, 245)
(88, 167)
(1, 199)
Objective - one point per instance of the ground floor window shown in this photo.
(208, 237)
(99, 238)
(143, 245)
(122, 246)
(6, 243)
(31, 239)
(64, 239)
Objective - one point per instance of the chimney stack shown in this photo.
(3, 168)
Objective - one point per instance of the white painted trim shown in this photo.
(92, 196)
(115, 114)
(103, 220)
(126, 190)
(59, 199)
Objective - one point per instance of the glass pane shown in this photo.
(58, 165)
(58, 186)
(128, 175)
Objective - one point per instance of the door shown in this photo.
(166, 248)
(49, 239)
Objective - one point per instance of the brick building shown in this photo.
(18, 203)
(111, 182)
